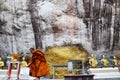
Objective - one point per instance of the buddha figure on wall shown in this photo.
(15, 57)
(23, 62)
(1, 63)
(93, 61)
(104, 61)
(115, 61)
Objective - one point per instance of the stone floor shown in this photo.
(14, 77)
(3, 76)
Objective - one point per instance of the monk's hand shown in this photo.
(28, 65)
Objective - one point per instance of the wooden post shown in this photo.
(10, 69)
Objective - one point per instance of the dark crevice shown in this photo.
(100, 19)
(36, 22)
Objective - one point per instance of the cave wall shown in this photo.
(43, 23)
(16, 32)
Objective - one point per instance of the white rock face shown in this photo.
(62, 22)
(16, 31)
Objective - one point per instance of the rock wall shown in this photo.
(16, 32)
(44, 23)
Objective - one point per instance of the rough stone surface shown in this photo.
(92, 23)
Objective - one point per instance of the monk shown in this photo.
(38, 64)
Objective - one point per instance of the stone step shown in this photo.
(4, 76)
(13, 72)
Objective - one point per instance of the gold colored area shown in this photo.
(60, 72)
(61, 55)
(15, 56)
(117, 55)
(23, 62)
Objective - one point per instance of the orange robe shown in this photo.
(38, 66)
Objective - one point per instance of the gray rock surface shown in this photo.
(92, 23)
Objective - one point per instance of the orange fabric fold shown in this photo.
(38, 66)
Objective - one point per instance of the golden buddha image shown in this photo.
(104, 61)
(1, 62)
(93, 61)
(23, 62)
(115, 61)
(15, 57)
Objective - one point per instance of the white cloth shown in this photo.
(24, 73)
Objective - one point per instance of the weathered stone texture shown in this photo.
(44, 23)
